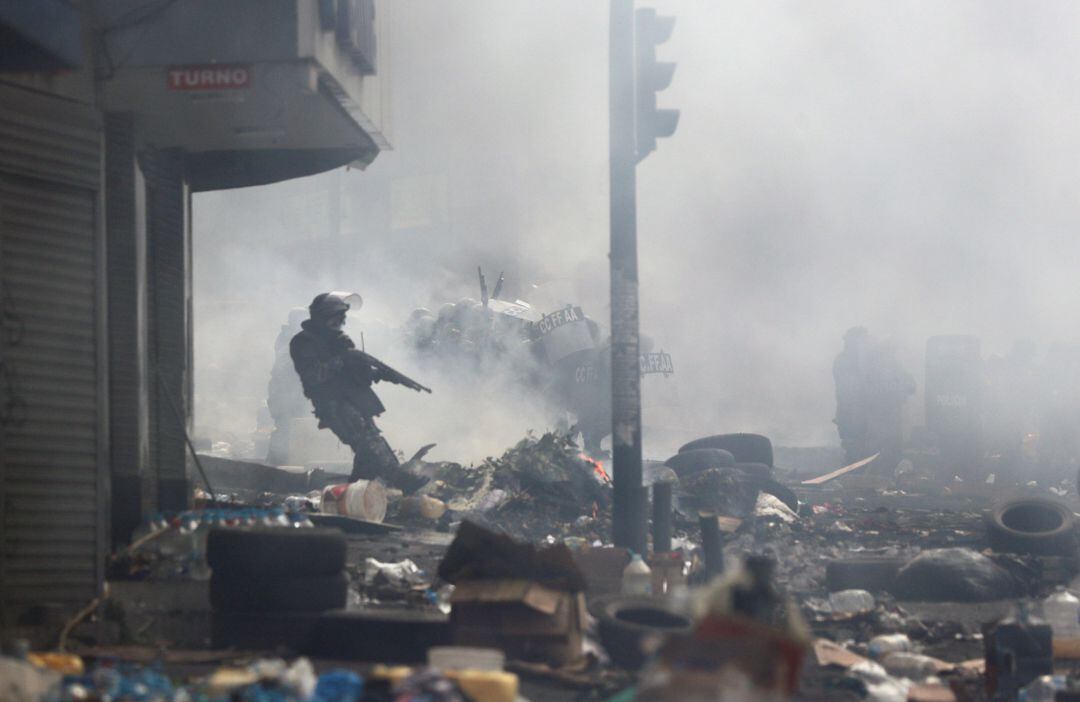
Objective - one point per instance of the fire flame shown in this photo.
(597, 467)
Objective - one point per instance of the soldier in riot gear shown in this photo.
(337, 378)
(849, 373)
(871, 389)
(285, 398)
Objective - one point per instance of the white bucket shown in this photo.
(364, 499)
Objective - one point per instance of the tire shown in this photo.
(1032, 525)
(756, 469)
(275, 551)
(626, 623)
(747, 448)
(314, 593)
(698, 460)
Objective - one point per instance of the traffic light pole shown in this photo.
(628, 517)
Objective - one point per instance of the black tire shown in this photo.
(625, 624)
(759, 470)
(1032, 525)
(275, 551)
(747, 448)
(314, 593)
(694, 462)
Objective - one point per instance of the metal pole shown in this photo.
(628, 518)
(712, 544)
(661, 517)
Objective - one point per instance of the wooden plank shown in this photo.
(840, 471)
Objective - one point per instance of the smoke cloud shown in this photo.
(910, 168)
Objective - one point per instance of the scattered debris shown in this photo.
(1018, 650)
(528, 602)
(821, 480)
(770, 507)
(403, 573)
(23, 681)
(423, 506)
(849, 603)
(831, 653)
(632, 628)
(363, 499)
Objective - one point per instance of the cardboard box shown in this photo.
(602, 568)
(526, 620)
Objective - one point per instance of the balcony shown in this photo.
(254, 90)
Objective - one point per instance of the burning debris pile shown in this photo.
(541, 486)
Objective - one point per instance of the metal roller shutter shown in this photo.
(51, 477)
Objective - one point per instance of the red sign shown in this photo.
(208, 78)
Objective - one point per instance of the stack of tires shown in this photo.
(276, 570)
(748, 458)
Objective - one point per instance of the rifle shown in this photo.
(381, 371)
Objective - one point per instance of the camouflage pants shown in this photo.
(372, 455)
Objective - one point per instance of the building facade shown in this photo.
(112, 113)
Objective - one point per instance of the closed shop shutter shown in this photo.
(51, 494)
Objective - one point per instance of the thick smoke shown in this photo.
(905, 167)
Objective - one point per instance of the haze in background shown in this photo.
(910, 168)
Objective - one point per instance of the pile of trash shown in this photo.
(541, 486)
(27, 679)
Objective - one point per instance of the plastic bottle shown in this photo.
(1062, 612)
(883, 645)
(200, 569)
(913, 666)
(851, 601)
(361, 500)
(637, 578)
(1043, 689)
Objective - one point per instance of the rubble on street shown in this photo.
(872, 587)
(404, 351)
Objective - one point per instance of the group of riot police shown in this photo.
(559, 358)
(976, 409)
(1013, 415)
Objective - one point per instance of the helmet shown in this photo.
(446, 312)
(328, 304)
(855, 333)
(418, 314)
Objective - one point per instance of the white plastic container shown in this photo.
(637, 578)
(1061, 610)
(364, 499)
(851, 601)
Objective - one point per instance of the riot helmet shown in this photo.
(329, 304)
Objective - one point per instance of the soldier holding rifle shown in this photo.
(337, 378)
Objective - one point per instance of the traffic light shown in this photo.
(652, 76)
